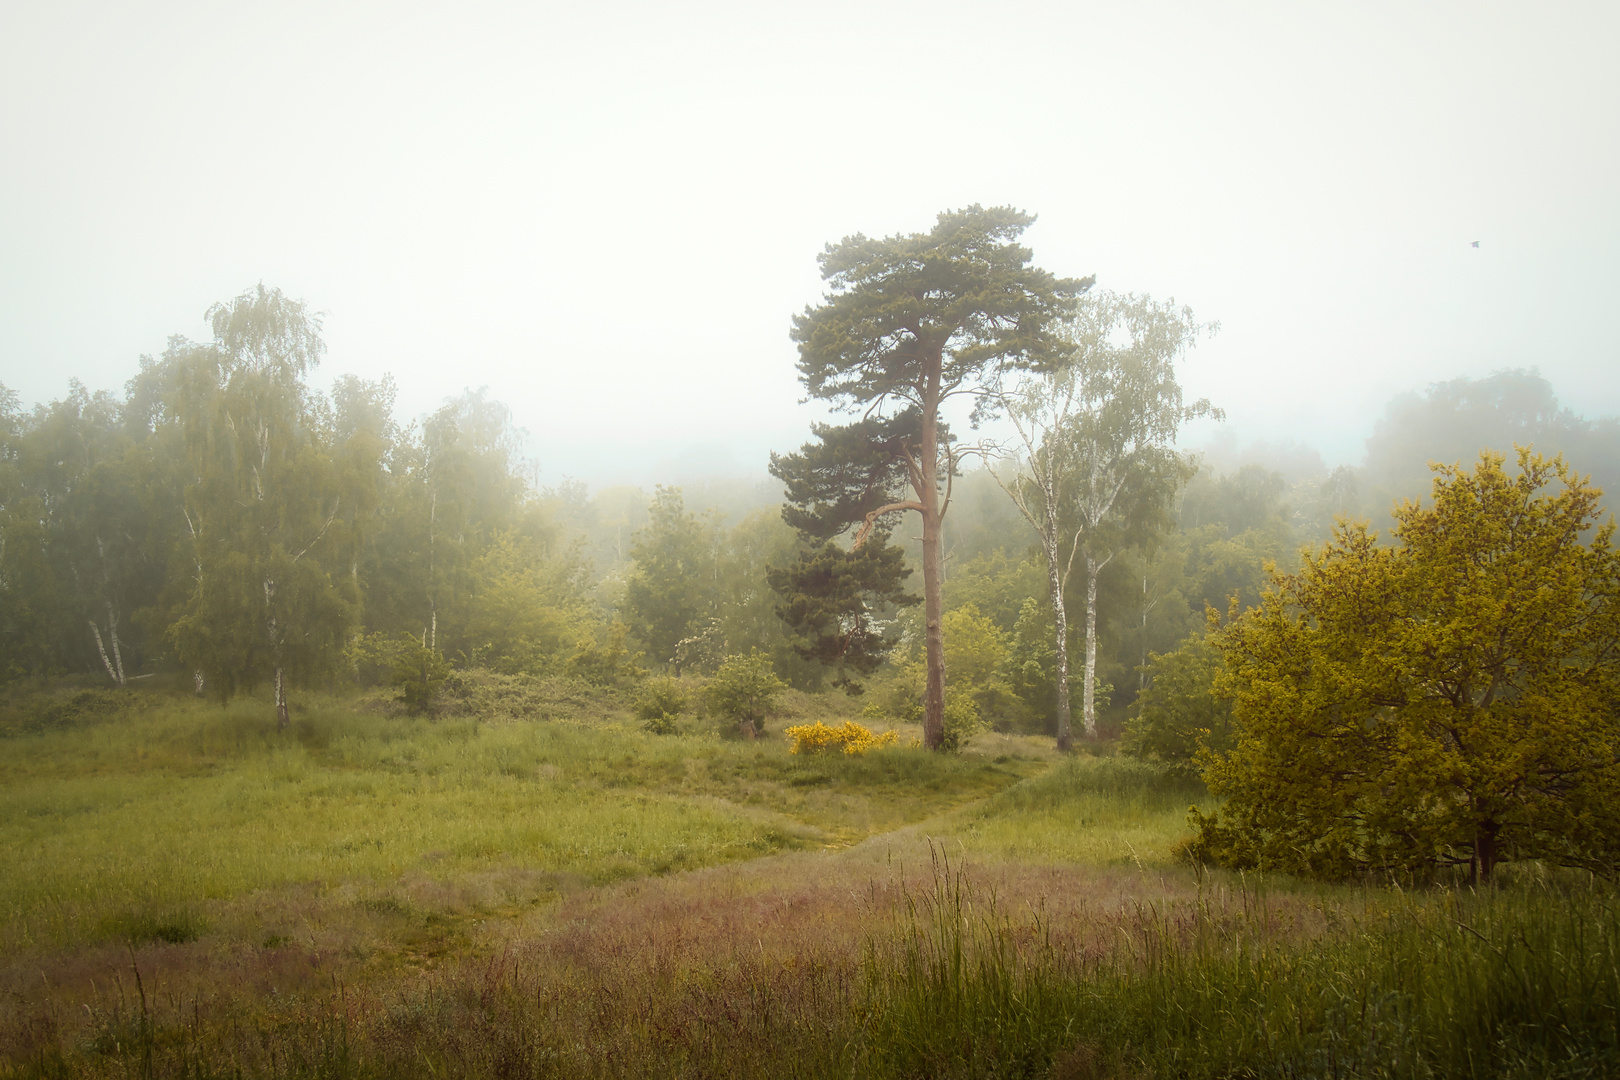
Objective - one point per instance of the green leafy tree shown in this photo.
(524, 609)
(744, 691)
(1179, 716)
(419, 672)
(1448, 700)
(1454, 421)
(364, 446)
(997, 583)
(263, 498)
(907, 323)
(73, 516)
(674, 585)
(1095, 435)
(748, 604)
(27, 588)
(604, 659)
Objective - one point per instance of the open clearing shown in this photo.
(189, 893)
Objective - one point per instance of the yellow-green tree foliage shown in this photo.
(1448, 700)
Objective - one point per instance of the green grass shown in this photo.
(1521, 982)
(188, 892)
(1100, 811)
(151, 815)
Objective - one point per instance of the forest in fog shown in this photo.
(775, 542)
(161, 528)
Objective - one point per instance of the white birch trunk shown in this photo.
(282, 716)
(112, 632)
(1089, 694)
(1060, 617)
(102, 649)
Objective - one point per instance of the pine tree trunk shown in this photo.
(1089, 694)
(933, 567)
(932, 593)
(933, 636)
(282, 716)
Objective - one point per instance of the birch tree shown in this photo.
(263, 499)
(1095, 434)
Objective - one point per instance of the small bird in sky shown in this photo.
(1476, 243)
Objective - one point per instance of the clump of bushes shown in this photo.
(660, 704)
(605, 659)
(850, 737)
(29, 711)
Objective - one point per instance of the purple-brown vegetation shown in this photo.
(764, 968)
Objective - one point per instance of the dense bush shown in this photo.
(744, 690)
(660, 703)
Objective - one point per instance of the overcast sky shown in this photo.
(606, 213)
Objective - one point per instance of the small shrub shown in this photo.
(850, 737)
(608, 661)
(667, 724)
(419, 673)
(744, 690)
(961, 722)
(660, 704)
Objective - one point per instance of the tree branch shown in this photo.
(335, 504)
(871, 519)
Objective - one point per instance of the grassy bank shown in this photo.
(160, 816)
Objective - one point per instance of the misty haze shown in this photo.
(887, 540)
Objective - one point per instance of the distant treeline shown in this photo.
(224, 520)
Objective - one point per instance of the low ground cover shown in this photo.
(166, 812)
(1000, 914)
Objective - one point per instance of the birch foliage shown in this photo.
(1095, 435)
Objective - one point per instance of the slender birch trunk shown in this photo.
(116, 668)
(1089, 693)
(102, 649)
(273, 631)
(1060, 616)
(1141, 670)
(283, 718)
(112, 632)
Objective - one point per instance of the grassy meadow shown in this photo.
(533, 886)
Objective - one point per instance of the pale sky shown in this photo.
(607, 213)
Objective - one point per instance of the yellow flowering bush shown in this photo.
(849, 736)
